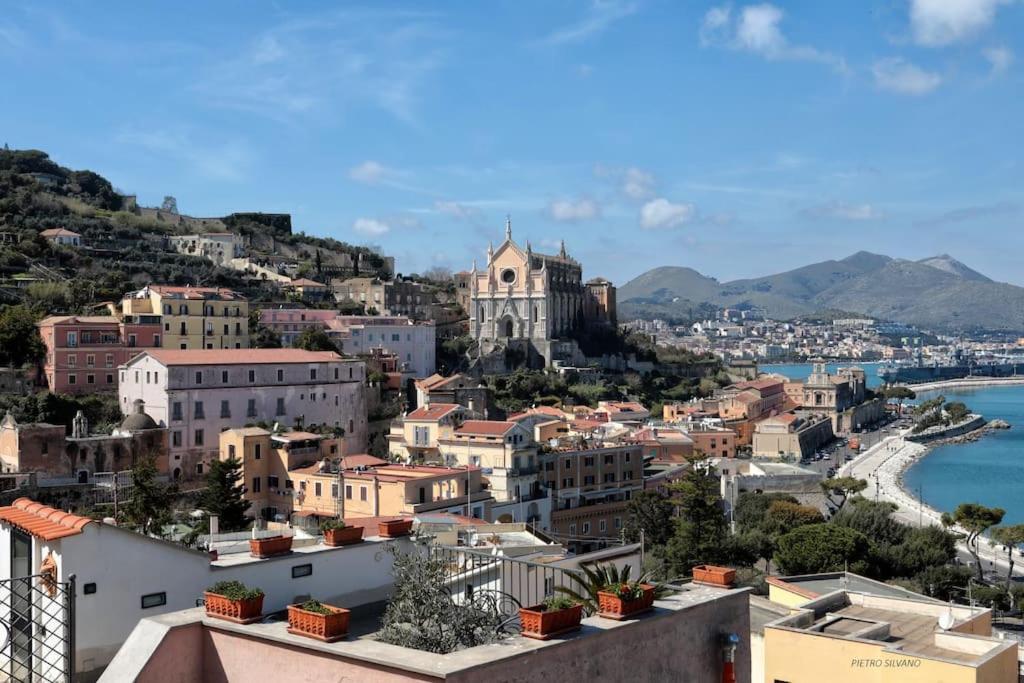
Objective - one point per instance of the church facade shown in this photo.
(528, 301)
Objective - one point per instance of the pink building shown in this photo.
(84, 352)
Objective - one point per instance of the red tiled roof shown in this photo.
(237, 356)
(539, 410)
(42, 521)
(362, 460)
(435, 411)
(485, 427)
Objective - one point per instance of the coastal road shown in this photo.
(882, 465)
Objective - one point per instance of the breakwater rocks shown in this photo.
(973, 435)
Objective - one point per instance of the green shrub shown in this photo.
(332, 525)
(234, 590)
(626, 591)
(558, 602)
(315, 606)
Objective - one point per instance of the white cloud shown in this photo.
(900, 76)
(661, 213)
(456, 210)
(839, 210)
(637, 183)
(1000, 58)
(600, 15)
(369, 172)
(757, 29)
(935, 23)
(371, 226)
(569, 211)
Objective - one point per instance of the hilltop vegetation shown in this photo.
(125, 247)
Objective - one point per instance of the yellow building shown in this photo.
(297, 473)
(193, 317)
(853, 637)
(414, 438)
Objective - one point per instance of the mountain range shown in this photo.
(938, 293)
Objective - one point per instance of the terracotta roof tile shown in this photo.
(41, 521)
(485, 427)
(435, 411)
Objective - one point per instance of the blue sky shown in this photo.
(737, 139)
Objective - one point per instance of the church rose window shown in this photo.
(508, 276)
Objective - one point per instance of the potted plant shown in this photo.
(393, 528)
(714, 576)
(336, 533)
(555, 616)
(233, 601)
(591, 581)
(314, 619)
(268, 547)
(623, 600)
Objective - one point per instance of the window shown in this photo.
(109, 361)
(110, 378)
(154, 600)
(176, 439)
(272, 481)
(628, 456)
(572, 529)
(257, 451)
(256, 484)
(312, 373)
(72, 379)
(198, 411)
(586, 528)
(280, 378)
(176, 410)
(618, 522)
(549, 466)
(250, 408)
(334, 490)
(231, 450)
(301, 570)
(280, 407)
(362, 492)
(588, 461)
(90, 361)
(602, 526)
(90, 379)
(199, 468)
(348, 491)
(568, 463)
(317, 489)
(89, 588)
(225, 409)
(223, 376)
(199, 377)
(73, 363)
(609, 459)
(198, 437)
(588, 480)
(252, 375)
(609, 477)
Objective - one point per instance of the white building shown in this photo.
(62, 236)
(197, 394)
(412, 342)
(123, 576)
(219, 247)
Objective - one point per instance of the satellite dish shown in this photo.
(946, 621)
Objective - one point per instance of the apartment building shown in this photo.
(414, 437)
(711, 440)
(84, 352)
(385, 297)
(795, 435)
(848, 636)
(219, 247)
(591, 487)
(197, 394)
(193, 317)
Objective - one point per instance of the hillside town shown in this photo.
(610, 341)
(201, 434)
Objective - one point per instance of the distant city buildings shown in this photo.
(192, 317)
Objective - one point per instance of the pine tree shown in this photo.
(149, 508)
(223, 494)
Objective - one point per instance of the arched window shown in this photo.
(482, 316)
(508, 328)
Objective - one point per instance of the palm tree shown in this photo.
(598, 579)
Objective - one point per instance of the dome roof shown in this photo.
(138, 421)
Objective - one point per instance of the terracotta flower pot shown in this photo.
(714, 576)
(238, 611)
(394, 528)
(346, 536)
(268, 547)
(325, 627)
(542, 624)
(611, 606)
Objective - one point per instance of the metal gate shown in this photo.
(37, 629)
